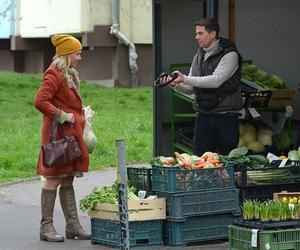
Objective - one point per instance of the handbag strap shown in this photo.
(54, 128)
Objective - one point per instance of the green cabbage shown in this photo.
(256, 146)
(281, 141)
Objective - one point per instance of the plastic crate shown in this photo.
(182, 205)
(245, 177)
(267, 225)
(254, 96)
(141, 233)
(258, 99)
(140, 177)
(195, 229)
(241, 239)
(174, 179)
(263, 193)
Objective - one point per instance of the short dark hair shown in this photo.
(209, 24)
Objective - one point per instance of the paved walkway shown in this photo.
(20, 216)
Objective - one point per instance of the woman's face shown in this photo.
(75, 58)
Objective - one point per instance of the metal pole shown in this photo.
(122, 191)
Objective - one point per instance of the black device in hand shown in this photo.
(157, 83)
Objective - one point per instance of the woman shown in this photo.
(58, 98)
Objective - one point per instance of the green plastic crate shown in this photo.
(141, 233)
(174, 179)
(182, 205)
(196, 229)
(285, 239)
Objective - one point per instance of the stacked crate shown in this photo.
(259, 239)
(200, 203)
(260, 184)
(145, 223)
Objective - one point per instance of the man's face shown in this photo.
(204, 38)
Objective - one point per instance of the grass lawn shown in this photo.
(119, 114)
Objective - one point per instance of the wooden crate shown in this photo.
(282, 97)
(138, 210)
(279, 196)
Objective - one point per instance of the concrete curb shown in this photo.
(30, 179)
(36, 178)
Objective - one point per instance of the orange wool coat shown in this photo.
(54, 95)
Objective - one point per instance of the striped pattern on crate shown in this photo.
(182, 205)
(141, 233)
(174, 179)
(241, 238)
(199, 228)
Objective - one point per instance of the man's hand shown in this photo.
(167, 78)
(179, 78)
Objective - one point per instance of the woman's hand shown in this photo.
(70, 118)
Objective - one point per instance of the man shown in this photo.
(214, 79)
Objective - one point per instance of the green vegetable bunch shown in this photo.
(105, 194)
(251, 73)
(239, 156)
(270, 210)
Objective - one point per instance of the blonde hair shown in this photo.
(62, 63)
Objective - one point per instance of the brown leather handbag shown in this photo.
(61, 152)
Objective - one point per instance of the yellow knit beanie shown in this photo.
(65, 44)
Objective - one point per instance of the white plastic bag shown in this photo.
(89, 137)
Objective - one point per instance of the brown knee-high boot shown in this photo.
(47, 230)
(68, 204)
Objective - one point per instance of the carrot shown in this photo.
(213, 161)
(200, 165)
(184, 161)
(199, 161)
(219, 165)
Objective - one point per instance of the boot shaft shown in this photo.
(47, 205)
(47, 230)
(68, 204)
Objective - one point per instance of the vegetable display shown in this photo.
(239, 156)
(251, 73)
(270, 210)
(186, 161)
(105, 194)
(254, 139)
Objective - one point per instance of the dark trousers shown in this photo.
(216, 133)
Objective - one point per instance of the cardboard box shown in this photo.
(138, 210)
(282, 97)
(279, 196)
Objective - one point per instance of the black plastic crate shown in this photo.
(182, 205)
(258, 99)
(266, 225)
(253, 96)
(263, 193)
(140, 177)
(141, 233)
(245, 177)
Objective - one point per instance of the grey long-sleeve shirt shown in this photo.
(225, 69)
